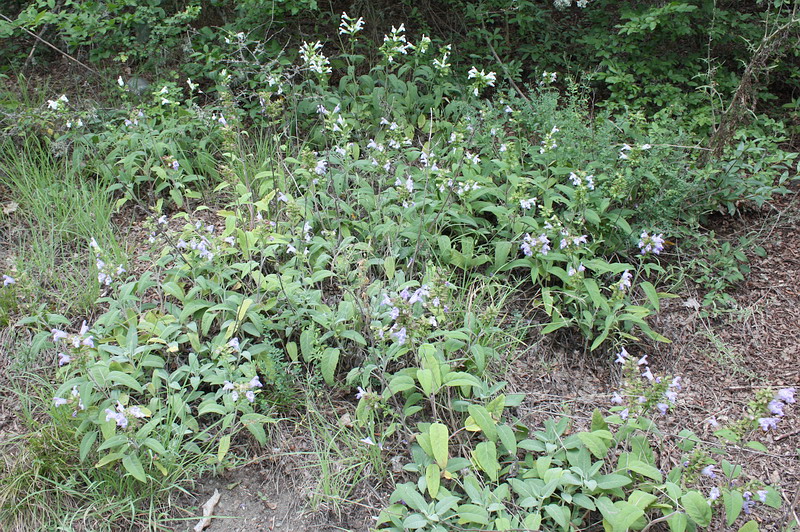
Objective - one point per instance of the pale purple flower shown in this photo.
(786, 395)
(651, 243)
(622, 356)
(616, 399)
(361, 393)
(662, 407)
(64, 359)
(642, 361)
(175, 165)
(235, 395)
(321, 167)
(400, 336)
(714, 494)
(708, 471)
(7, 280)
(671, 396)
(676, 383)
(234, 344)
(58, 335)
(762, 495)
(255, 383)
(59, 401)
(394, 313)
(119, 417)
(227, 385)
(624, 414)
(625, 281)
(136, 412)
(251, 395)
(776, 407)
(712, 421)
(767, 423)
(648, 374)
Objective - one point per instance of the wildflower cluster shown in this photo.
(548, 78)
(441, 63)
(74, 401)
(541, 244)
(314, 59)
(243, 388)
(481, 79)
(626, 151)
(582, 180)
(411, 312)
(199, 241)
(647, 390)
(105, 271)
(548, 143)
(123, 415)
(775, 408)
(55, 105)
(395, 44)
(76, 341)
(651, 243)
(350, 26)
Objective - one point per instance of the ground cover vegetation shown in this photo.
(257, 201)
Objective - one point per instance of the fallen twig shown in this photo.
(208, 512)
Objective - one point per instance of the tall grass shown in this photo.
(60, 211)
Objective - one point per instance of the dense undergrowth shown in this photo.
(359, 221)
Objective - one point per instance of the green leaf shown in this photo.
(678, 522)
(651, 293)
(750, 526)
(330, 359)
(433, 476)
(646, 470)
(107, 459)
(439, 438)
(507, 438)
(757, 445)
(559, 514)
(734, 502)
(308, 342)
(224, 445)
(425, 378)
(400, 383)
(595, 444)
(471, 513)
(610, 482)
(133, 466)
(697, 508)
(598, 422)
(773, 499)
(86, 444)
(414, 522)
(485, 456)
(461, 378)
(118, 377)
(484, 420)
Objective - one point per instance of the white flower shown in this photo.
(350, 26)
(120, 81)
